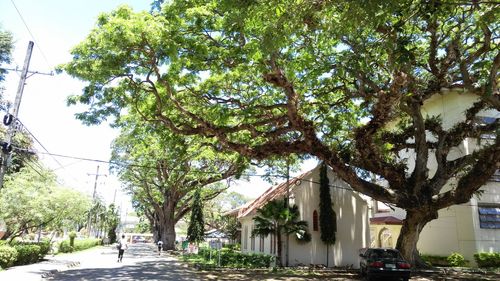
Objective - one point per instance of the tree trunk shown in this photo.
(413, 224)
(167, 226)
(278, 241)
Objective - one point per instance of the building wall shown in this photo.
(353, 230)
(457, 228)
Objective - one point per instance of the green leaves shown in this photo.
(196, 228)
(32, 199)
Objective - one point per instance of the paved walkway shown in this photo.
(140, 262)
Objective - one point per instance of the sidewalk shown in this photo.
(51, 265)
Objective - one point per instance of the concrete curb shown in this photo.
(54, 271)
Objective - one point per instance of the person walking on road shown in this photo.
(122, 246)
(160, 247)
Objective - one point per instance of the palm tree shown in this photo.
(277, 219)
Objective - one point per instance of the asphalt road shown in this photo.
(140, 262)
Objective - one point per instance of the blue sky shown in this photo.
(56, 26)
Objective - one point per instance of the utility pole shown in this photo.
(97, 175)
(7, 146)
(11, 120)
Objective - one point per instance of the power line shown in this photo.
(200, 172)
(31, 34)
(36, 139)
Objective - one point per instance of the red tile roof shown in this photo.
(274, 192)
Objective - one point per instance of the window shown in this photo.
(315, 221)
(482, 121)
(261, 243)
(272, 244)
(252, 241)
(496, 176)
(489, 217)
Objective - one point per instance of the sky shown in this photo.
(56, 26)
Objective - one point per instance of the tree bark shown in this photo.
(167, 225)
(413, 224)
(278, 241)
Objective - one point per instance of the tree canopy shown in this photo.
(162, 170)
(322, 78)
(32, 199)
(6, 45)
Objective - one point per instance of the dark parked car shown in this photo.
(383, 263)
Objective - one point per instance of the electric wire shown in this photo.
(36, 139)
(31, 34)
(199, 172)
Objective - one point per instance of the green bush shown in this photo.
(27, 253)
(231, 258)
(233, 247)
(456, 259)
(435, 260)
(487, 259)
(72, 236)
(8, 256)
(65, 247)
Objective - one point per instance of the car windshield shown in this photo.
(384, 254)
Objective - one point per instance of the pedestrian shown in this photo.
(122, 246)
(160, 246)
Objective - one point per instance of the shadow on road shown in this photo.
(140, 262)
(147, 270)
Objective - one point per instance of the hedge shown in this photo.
(64, 246)
(21, 253)
(435, 260)
(487, 259)
(231, 258)
(8, 256)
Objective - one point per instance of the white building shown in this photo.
(352, 222)
(467, 228)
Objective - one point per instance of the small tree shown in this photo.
(72, 236)
(327, 216)
(276, 219)
(196, 228)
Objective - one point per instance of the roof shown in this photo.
(272, 193)
(235, 211)
(214, 233)
(385, 220)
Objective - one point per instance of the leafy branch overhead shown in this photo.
(344, 81)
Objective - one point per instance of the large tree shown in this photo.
(162, 170)
(323, 78)
(32, 199)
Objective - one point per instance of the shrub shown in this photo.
(231, 258)
(65, 247)
(27, 253)
(72, 236)
(487, 259)
(30, 252)
(434, 260)
(233, 247)
(8, 256)
(456, 259)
